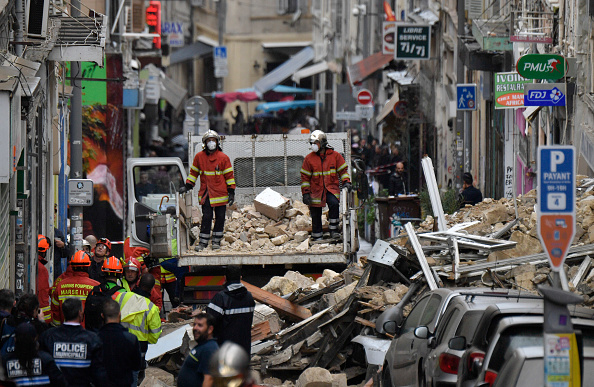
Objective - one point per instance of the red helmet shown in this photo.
(132, 264)
(43, 244)
(81, 259)
(112, 265)
(104, 241)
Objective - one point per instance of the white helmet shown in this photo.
(229, 365)
(318, 135)
(211, 134)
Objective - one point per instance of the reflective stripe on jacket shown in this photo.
(77, 285)
(140, 316)
(216, 175)
(323, 173)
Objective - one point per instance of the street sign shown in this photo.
(220, 62)
(348, 116)
(413, 41)
(541, 66)
(544, 94)
(80, 192)
(556, 201)
(401, 109)
(466, 96)
(364, 111)
(509, 90)
(364, 97)
(388, 32)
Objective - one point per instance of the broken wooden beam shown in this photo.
(364, 322)
(260, 331)
(292, 311)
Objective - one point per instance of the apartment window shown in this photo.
(287, 6)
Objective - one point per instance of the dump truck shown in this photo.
(160, 219)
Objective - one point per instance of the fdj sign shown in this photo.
(541, 66)
(544, 94)
(413, 41)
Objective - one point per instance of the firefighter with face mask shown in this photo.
(217, 188)
(322, 172)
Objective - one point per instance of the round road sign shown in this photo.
(364, 97)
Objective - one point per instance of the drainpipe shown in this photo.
(20, 27)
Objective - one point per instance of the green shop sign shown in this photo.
(541, 66)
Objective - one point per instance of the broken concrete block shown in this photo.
(302, 222)
(302, 281)
(344, 292)
(280, 240)
(280, 285)
(315, 377)
(273, 231)
(161, 375)
(339, 380)
(265, 313)
(230, 238)
(272, 381)
(271, 204)
(150, 381)
(300, 236)
(494, 214)
(303, 246)
(391, 297)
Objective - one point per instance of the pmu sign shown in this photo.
(556, 201)
(541, 66)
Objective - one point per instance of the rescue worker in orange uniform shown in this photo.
(132, 274)
(43, 287)
(149, 265)
(112, 270)
(217, 188)
(321, 173)
(78, 285)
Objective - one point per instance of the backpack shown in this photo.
(94, 306)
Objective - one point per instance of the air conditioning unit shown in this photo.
(36, 13)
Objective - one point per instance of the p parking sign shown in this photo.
(556, 201)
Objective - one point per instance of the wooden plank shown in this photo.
(329, 289)
(362, 321)
(282, 306)
(336, 346)
(577, 278)
(260, 331)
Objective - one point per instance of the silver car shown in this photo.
(407, 357)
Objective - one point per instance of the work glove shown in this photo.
(307, 199)
(185, 188)
(348, 186)
(231, 193)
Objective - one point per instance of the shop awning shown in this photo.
(403, 78)
(281, 89)
(315, 69)
(364, 68)
(388, 106)
(193, 51)
(285, 48)
(285, 105)
(284, 71)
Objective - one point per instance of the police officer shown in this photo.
(76, 351)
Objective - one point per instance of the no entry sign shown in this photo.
(556, 201)
(364, 97)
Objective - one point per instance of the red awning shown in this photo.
(364, 68)
(222, 99)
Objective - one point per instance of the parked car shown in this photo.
(406, 358)
(525, 368)
(503, 328)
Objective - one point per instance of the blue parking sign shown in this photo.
(466, 96)
(220, 52)
(556, 179)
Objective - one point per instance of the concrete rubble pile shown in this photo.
(249, 230)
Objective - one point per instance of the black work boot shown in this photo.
(200, 247)
(334, 235)
(216, 245)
